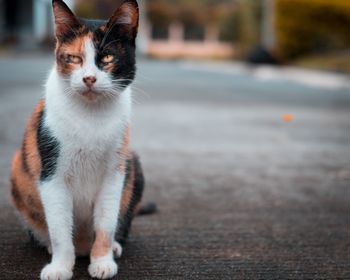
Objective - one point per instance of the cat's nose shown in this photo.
(89, 81)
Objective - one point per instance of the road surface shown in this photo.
(242, 193)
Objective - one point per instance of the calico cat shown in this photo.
(74, 181)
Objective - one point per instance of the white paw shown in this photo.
(103, 269)
(55, 271)
(117, 249)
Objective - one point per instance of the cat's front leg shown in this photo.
(106, 211)
(58, 207)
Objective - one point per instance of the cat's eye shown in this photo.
(107, 59)
(74, 59)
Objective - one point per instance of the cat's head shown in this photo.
(95, 58)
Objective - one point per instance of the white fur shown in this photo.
(86, 187)
(104, 268)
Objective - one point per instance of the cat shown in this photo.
(74, 181)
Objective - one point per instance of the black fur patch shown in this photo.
(32, 239)
(139, 182)
(121, 46)
(49, 149)
(125, 221)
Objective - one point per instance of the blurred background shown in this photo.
(300, 32)
(242, 123)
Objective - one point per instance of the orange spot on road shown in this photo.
(288, 118)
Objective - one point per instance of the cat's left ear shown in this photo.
(126, 17)
(65, 20)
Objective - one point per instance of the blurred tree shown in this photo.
(249, 15)
(311, 26)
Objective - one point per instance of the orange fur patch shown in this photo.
(123, 151)
(102, 245)
(25, 196)
(76, 48)
(123, 154)
(137, 209)
(128, 192)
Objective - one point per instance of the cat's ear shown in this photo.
(65, 20)
(126, 17)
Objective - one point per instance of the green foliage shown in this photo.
(311, 26)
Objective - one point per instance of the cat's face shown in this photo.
(96, 59)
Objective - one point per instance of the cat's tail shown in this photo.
(147, 209)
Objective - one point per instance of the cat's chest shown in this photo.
(87, 152)
(84, 170)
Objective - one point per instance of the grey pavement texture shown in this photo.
(241, 193)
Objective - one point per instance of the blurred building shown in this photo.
(168, 29)
(188, 28)
(177, 28)
(26, 23)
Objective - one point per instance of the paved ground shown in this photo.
(242, 194)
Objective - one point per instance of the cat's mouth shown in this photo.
(93, 95)
(90, 95)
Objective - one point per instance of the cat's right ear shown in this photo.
(65, 20)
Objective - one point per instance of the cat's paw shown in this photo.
(55, 271)
(103, 269)
(117, 249)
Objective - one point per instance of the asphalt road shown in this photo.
(241, 193)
